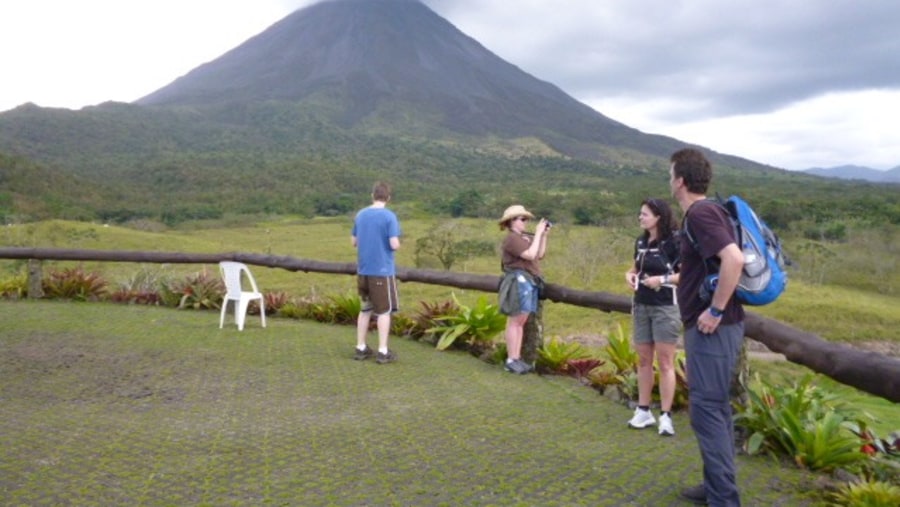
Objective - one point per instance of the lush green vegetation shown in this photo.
(802, 422)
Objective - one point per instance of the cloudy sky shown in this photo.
(800, 84)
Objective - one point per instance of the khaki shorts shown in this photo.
(377, 294)
(656, 324)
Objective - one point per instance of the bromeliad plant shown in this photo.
(803, 422)
(200, 291)
(431, 315)
(475, 327)
(866, 494)
(74, 284)
(621, 353)
(554, 356)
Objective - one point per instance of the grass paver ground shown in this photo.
(128, 405)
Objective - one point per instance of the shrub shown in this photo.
(74, 284)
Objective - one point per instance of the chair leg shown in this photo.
(222, 315)
(241, 315)
(262, 311)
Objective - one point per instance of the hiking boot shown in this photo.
(695, 494)
(641, 419)
(665, 426)
(362, 355)
(390, 357)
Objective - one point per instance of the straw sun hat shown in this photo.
(514, 211)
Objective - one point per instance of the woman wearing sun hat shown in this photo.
(520, 253)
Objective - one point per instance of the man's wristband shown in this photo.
(715, 312)
(665, 279)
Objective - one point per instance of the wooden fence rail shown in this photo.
(868, 371)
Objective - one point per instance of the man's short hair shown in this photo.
(381, 191)
(693, 167)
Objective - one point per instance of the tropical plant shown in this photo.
(198, 291)
(883, 453)
(274, 301)
(143, 288)
(866, 494)
(476, 326)
(621, 353)
(554, 355)
(431, 315)
(74, 283)
(581, 368)
(345, 309)
(803, 422)
(15, 287)
(403, 325)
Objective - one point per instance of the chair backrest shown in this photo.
(231, 274)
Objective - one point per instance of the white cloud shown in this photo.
(824, 131)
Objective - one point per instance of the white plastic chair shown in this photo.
(232, 274)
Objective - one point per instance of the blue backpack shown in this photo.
(763, 278)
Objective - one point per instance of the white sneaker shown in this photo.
(641, 419)
(665, 426)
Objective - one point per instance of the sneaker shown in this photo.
(390, 357)
(695, 494)
(641, 419)
(515, 366)
(362, 355)
(665, 426)
(525, 367)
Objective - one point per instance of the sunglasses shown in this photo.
(523, 219)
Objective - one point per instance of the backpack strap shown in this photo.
(711, 264)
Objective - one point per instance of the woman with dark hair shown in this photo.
(657, 322)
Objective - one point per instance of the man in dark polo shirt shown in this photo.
(713, 324)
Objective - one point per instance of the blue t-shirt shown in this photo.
(373, 229)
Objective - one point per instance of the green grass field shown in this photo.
(589, 258)
(109, 404)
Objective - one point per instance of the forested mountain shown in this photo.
(304, 116)
(855, 172)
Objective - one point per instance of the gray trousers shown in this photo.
(711, 360)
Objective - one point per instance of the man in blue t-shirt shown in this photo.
(376, 235)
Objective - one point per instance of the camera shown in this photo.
(549, 223)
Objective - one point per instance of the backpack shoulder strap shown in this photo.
(686, 232)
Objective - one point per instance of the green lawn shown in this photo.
(131, 405)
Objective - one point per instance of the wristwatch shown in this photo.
(716, 312)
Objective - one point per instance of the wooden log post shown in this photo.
(533, 335)
(35, 279)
